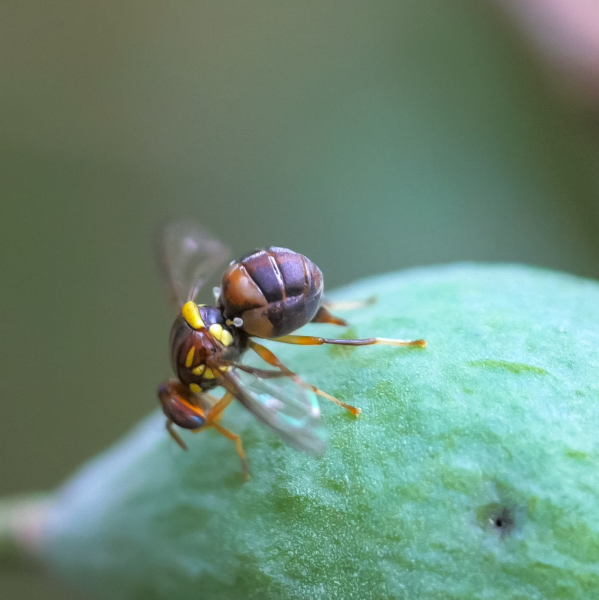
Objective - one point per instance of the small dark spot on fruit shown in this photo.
(501, 521)
(496, 517)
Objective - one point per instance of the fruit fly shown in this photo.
(265, 295)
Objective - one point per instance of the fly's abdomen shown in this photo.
(275, 291)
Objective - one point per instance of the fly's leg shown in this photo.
(212, 418)
(237, 439)
(269, 357)
(216, 411)
(324, 316)
(324, 312)
(309, 340)
(175, 435)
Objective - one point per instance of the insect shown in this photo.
(267, 294)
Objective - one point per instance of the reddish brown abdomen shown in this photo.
(275, 291)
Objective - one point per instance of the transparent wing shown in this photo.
(291, 411)
(188, 255)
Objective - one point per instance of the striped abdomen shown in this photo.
(275, 291)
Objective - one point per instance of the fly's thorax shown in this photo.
(201, 343)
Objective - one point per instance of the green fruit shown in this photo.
(472, 472)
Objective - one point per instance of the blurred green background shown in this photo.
(370, 136)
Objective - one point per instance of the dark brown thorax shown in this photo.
(194, 350)
(274, 291)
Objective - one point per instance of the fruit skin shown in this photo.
(472, 472)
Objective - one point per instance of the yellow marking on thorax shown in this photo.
(198, 370)
(191, 313)
(226, 338)
(222, 335)
(195, 388)
(208, 374)
(189, 359)
(216, 330)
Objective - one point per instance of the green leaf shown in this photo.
(471, 473)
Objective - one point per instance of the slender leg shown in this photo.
(175, 435)
(269, 357)
(237, 439)
(212, 419)
(216, 411)
(352, 409)
(309, 340)
(324, 316)
(324, 312)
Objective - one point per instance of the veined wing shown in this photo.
(188, 255)
(290, 410)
